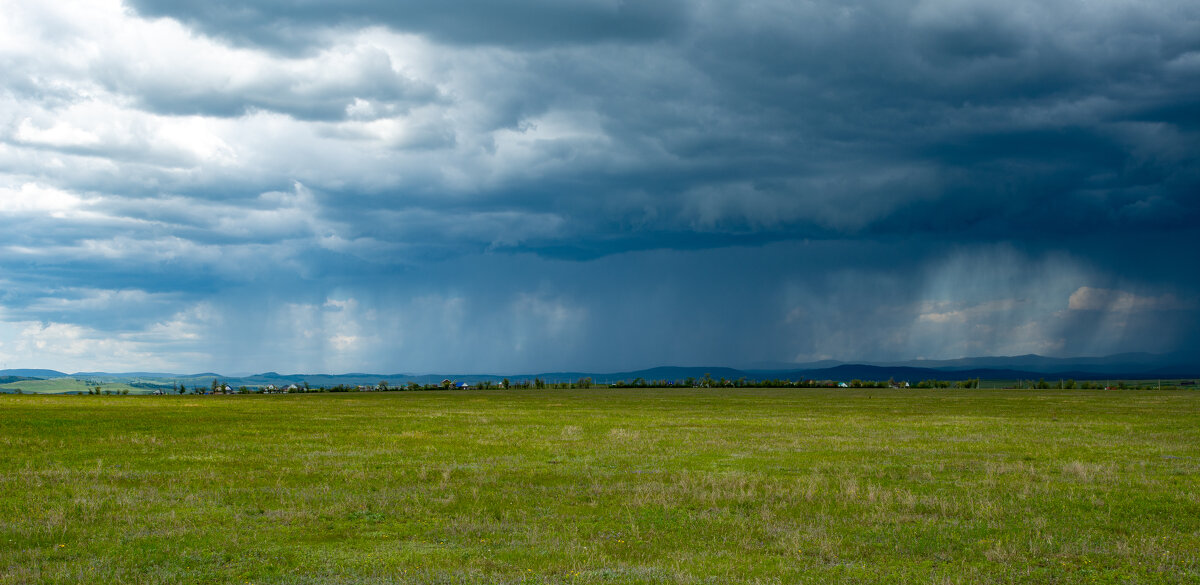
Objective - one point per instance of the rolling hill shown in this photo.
(1132, 366)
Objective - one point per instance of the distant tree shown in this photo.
(383, 386)
(97, 390)
(506, 383)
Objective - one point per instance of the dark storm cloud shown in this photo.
(936, 118)
(733, 181)
(800, 119)
(295, 26)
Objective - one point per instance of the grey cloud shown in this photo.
(366, 86)
(727, 181)
(111, 310)
(798, 100)
(292, 26)
(780, 301)
(987, 131)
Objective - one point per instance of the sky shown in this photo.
(598, 185)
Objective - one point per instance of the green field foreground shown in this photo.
(603, 486)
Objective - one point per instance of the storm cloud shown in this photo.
(442, 186)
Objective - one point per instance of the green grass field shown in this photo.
(603, 486)
(66, 385)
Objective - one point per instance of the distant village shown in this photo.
(217, 387)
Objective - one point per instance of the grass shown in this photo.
(603, 486)
(66, 385)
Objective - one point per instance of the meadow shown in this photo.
(67, 385)
(603, 486)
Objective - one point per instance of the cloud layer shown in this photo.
(593, 184)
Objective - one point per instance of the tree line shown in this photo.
(216, 386)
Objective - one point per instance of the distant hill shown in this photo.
(903, 373)
(8, 379)
(1113, 364)
(65, 386)
(649, 374)
(122, 375)
(43, 374)
(1128, 366)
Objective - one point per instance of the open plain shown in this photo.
(603, 486)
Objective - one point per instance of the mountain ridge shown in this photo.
(1030, 366)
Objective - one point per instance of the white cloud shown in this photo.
(946, 317)
(31, 198)
(962, 315)
(59, 133)
(195, 323)
(1087, 298)
(73, 347)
